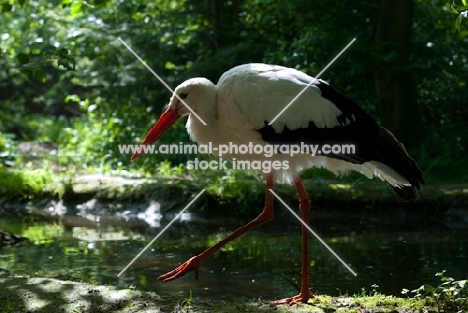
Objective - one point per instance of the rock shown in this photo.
(9, 239)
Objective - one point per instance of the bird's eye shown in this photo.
(183, 95)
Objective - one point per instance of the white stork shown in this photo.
(239, 110)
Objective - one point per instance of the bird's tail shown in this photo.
(397, 158)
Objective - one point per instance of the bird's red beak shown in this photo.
(165, 121)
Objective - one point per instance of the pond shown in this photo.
(392, 249)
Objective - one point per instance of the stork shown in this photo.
(240, 110)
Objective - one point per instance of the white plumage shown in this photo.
(248, 95)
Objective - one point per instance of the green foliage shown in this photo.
(363, 293)
(8, 306)
(15, 182)
(450, 296)
(7, 149)
(234, 188)
(461, 10)
(31, 183)
(42, 234)
(66, 78)
(188, 302)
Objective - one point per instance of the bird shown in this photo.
(244, 108)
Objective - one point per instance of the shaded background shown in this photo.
(66, 79)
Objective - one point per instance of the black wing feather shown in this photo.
(357, 127)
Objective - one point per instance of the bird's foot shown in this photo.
(191, 264)
(301, 297)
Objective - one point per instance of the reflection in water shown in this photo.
(151, 215)
(254, 265)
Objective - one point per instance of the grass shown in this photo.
(70, 293)
(22, 182)
(225, 190)
(375, 300)
(32, 183)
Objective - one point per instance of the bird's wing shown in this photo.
(252, 95)
(260, 92)
(256, 93)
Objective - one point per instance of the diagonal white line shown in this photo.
(161, 232)
(312, 81)
(160, 79)
(313, 233)
(253, 174)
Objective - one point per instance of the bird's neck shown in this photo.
(208, 114)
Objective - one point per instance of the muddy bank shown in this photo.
(97, 193)
(41, 294)
(45, 294)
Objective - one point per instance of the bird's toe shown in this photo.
(190, 265)
(302, 297)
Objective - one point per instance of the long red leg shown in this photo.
(304, 208)
(194, 262)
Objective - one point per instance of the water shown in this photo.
(386, 249)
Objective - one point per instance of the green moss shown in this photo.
(224, 190)
(71, 293)
(22, 182)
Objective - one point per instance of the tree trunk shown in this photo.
(399, 110)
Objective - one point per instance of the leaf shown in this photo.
(23, 58)
(423, 289)
(92, 108)
(100, 2)
(40, 75)
(464, 2)
(169, 65)
(76, 7)
(457, 9)
(62, 52)
(6, 7)
(458, 22)
(67, 63)
(28, 72)
(73, 98)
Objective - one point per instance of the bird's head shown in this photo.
(190, 96)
